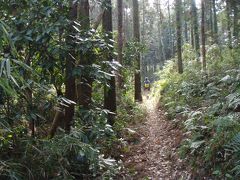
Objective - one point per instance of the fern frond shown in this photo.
(234, 145)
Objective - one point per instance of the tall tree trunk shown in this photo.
(143, 24)
(120, 40)
(235, 19)
(109, 93)
(186, 22)
(211, 23)
(126, 24)
(192, 36)
(215, 26)
(195, 27)
(136, 35)
(70, 85)
(143, 57)
(179, 34)
(161, 48)
(84, 86)
(203, 37)
(228, 12)
(170, 39)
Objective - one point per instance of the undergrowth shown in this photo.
(207, 105)
(92, 150)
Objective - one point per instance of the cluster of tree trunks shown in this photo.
(79, 89)
(208, 30)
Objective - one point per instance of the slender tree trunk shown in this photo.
(136, 35)
(235, 19)
(143, 24)
(109, 93)
(160, 33)
(120, 40)
(84, 85)
(185, 22)
(143, 57)
(127, 34)
(215, 26)
(70, 85)
(160, 48)
(192, 36)
(228, 12)
(195, 28)
(211, 23)
(179, 34)
(203, 37)
(170, 39)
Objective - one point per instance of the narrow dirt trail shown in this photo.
(155, 156)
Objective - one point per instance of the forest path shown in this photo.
(155, 156)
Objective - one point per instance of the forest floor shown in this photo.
(155, 154)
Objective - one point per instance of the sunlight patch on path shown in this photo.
(155, 156)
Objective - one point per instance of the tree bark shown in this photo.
(170, 39)
(228, 12)
(179, 34)
(215, 26)
(203, 37)
(84, 86)
(136, 36)
(120, 40)
(70, 79)
(109, 93)
(195, 28)
(186, 22)
(211, 23)
(235, 19)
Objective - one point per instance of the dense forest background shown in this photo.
(71, 84)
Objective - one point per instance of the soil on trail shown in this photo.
(155, 156)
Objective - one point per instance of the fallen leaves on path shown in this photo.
(155, 156)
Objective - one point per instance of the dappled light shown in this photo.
(119, 89)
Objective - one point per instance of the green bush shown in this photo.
(210, 105)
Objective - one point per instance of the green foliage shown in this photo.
(131, 52)
(35, 43)
(64, 157)
(208, 106)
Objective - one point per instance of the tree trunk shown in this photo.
(192, 36)
(179, 34)
(109, 93)
(215, 26)
(195, 28)
(120, 40)
(170, 39)
(211, 23)
(143, 57)
(235, 19)
(70, 79)
(126, 24)
(136, 36)
(185, 22)
(161, 44)
(228, 12)
(84, 86)
(203, 37)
